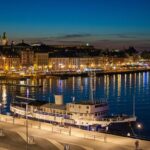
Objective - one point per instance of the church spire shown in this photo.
(4, 39)
(4, 35)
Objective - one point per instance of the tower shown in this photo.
(4, 39)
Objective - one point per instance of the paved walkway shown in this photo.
(84, 139)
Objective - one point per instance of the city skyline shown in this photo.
(116, 24)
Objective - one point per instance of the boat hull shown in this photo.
(61, 119)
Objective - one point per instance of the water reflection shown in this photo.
(118, 89)
(125, 84)
(4, 95)
(114, 84)
(119, 85)
(27, 92)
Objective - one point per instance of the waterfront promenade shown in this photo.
(71, 73)
(47, 135)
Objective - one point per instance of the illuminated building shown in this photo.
(41, 59)
(9, 61)
(27, 57)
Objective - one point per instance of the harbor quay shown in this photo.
(62, 136)
(66, 74)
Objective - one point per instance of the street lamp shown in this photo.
(105, 136)
(27, 125)
(139, 127)
(0, 108)
(4, 60)
(27, 132)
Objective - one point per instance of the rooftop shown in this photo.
(54, 106)
(102, 102)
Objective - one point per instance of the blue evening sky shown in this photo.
(94, 18)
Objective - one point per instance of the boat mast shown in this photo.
(91, 90)
(105, 88)
(92, 74)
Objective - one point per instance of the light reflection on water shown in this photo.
(4, 95)
(118, 89)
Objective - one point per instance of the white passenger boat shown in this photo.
(85, 113)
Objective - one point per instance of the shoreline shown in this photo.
(99, 73)
(65, 75)
(42, 125)
(19, 124)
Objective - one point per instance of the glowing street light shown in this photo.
(4, 58)
(139, 126)
(0, 108)
(128, 134)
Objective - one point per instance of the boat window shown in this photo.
(87, 107)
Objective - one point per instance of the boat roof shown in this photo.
(37, 103)
(40, 104)
(90, 102)
(54, 106)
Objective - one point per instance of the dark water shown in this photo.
(118, 89)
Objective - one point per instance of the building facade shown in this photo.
(74, 63)
(8, 63)
(27, 57)
(41, 59)
(82, 63)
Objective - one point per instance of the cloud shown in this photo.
(130, 36)
(68, 36)
(118, 40)
(126, 36)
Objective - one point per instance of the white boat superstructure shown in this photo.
(75, 113)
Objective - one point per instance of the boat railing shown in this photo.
(51, 114)
(116, 118)
(18, 107)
